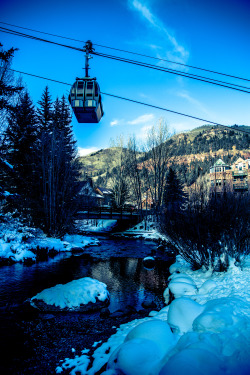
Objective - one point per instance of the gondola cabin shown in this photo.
(85, 100)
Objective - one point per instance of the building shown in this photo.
(106, 195)
(241, 175)
(88, 195)
(233, 178)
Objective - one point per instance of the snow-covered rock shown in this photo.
(207, 287)
(82, 294)
(135, 357)
(155, 330)
(193, 361)
(182, 313)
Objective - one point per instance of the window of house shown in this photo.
(218, 182)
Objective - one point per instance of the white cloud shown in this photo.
(142, 119)
(114, 123)
(179, 51)
(117, 122)
(145, 12)
(85, 151)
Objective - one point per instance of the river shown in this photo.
(33, 343)
(116, 262)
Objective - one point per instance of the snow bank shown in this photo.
(19, 243)
(210, 330)
(73, 294)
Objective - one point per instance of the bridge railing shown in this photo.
(104, 211)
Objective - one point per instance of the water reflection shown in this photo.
(129, 283)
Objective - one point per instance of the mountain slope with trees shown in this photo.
(191, 153)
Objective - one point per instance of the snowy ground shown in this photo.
(205, 330)
(19, 243)
(147, 229)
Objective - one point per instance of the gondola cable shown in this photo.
(142, 103)
(138, 63)
(131, 52)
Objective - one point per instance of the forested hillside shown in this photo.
(191, 153)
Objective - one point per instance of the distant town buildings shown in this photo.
(234, 178)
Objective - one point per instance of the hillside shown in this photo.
(192, 153)
(100, 162)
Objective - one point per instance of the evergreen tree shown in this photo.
(8, 88)
(174, 196)
(21, 135)
(59, 168)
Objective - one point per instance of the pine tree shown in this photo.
(58, 165)
(174, 196)
(44, 139)
(21, 135)
(8, 88)
(67, 165)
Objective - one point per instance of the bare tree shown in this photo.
(119, 181)
(156, 161)
(134, 171)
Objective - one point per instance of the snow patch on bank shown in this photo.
(19, 243)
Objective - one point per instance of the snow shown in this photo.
(137, 356)
(181, 314)
(74, 293)
(19, 243)
(193, 361)
(154, 330)
(96, 225)
(147, 229)
(204, 332)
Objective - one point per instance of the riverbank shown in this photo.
(34, 342)
(37, 342)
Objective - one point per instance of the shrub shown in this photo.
(208, 235)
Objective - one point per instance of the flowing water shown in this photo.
(116, 262)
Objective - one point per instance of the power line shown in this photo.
(43, 32)
(18, 33)
(138, 63)
(130, 52)
(139, 102)
(179, 73)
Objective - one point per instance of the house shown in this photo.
(234, 178)
(106, 195)
(220, 176)
(88, 195)
(241, 175)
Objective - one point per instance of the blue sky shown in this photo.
(210, 34)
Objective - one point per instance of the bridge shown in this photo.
(109, 213)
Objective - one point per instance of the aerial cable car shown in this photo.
(85, 97)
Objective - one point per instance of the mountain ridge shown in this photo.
(195, 149)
